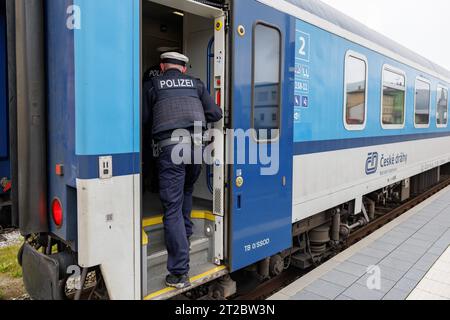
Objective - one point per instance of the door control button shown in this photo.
(239, 182)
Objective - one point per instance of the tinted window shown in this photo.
(266, 77)
(355, 84)
(442, 106)
(393, 98)
(422, 109)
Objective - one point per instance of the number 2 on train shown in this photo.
(302, 51)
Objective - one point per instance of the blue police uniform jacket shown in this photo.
(151, 73)
(176, 101)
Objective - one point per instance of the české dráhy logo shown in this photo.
(372, 163)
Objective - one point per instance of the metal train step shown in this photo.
(157, 262)
(156, 239)
(199, 254)
(199, 275)
(156, 236)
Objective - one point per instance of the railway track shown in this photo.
(395, 213)
(6, 230)
(271, 286)
(274, 285)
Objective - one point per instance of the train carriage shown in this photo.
(5, 164)
(355, 120)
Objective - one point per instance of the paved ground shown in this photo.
(436, 284)
(395, 263)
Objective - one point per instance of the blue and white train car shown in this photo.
(5, 166)
(361, 121)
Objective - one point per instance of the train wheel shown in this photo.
(276, 266)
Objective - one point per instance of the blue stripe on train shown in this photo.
(310, 147)
(123, 165)
(129, 163)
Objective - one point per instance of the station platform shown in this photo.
(408, 259)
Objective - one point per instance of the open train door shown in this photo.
(261, 218)
(198, 30)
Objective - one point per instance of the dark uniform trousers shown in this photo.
(176, 189)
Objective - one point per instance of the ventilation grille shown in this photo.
(218, 201)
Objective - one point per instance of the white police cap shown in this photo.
(174, 58)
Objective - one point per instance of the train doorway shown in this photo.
(197, 31)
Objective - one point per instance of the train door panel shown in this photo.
(106, 103)
(261, 220)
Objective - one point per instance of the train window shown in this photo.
(266, 98)
(393, 100)
(355, 101)
(442, 107)
(422, 103)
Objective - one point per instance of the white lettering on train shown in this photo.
(176, 83)
(74, 18)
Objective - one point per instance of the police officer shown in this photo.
(177, 101)
(151, 73)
